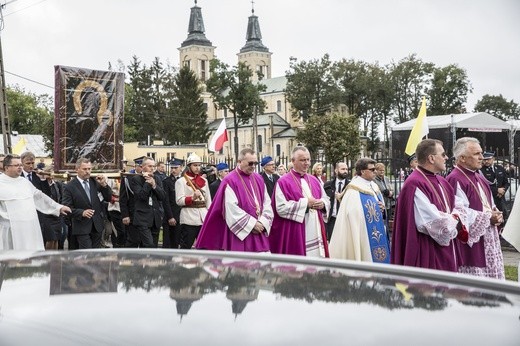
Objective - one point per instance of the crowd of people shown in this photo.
(450, 223)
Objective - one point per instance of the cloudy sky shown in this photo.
(481, 36)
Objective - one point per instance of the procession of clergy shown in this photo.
(439, 223)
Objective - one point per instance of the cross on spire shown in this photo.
(252, 6)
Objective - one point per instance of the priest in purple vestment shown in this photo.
(428, 215)
(482, 254)
(240, 215)
(300, 205)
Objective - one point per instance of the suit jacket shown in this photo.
(213, 188)
(126, 199)
(75, 196)
(270, 184)
(330, 190)
(171, 209)
(146, 215)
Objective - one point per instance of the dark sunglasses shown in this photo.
(371, 169)
(252, 163)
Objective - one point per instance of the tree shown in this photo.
(336, 134)
(498, 106)
(31, 114)
(311, 89)
(140, 110)
(187, 113)
(234, 89)
(449, 90)
(366, 91)
(410, 79)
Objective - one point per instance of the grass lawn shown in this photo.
(511, 273)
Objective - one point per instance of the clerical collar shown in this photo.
(364, 180)
(297, 173)
(466, 169)
(426, 171)
(241, 172)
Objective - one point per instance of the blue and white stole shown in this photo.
(378, 240)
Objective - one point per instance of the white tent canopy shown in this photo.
(482, 122)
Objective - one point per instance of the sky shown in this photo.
(481, 36)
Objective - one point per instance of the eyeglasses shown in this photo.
(252, 163)
(373, 169)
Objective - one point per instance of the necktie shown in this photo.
(29, 176)
(87, 189)
(340, 185)
(271, 177)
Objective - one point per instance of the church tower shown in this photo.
(197, 51)
(254, 54)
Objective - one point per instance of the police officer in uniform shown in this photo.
(498, 181)
(172, 211)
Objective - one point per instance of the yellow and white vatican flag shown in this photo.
(419, 130)
(20, 147)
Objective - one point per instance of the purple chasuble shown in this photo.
(411, 247)
(288, 236)
(215, 234)
(474, 256)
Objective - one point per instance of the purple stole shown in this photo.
(288, 236)
(215, 234)
(411, 247)
(474, 256)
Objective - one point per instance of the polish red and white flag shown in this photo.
(219, 138)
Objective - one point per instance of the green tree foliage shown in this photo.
(188, 123)
(366, 91)
(336, 134)
(31, 114)
(498, 106)
(410, 79)
(311, 88)
(138, 114)
(234, 89)
(449, 90)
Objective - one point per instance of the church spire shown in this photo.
(196, 29)
(253, 35)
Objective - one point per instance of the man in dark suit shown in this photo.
(498, 181)
(28, 159)
(268, 174)
(333, 189)
(149, 194)
(81, 195)
(127, 205)
(172, 212)
(222, 171)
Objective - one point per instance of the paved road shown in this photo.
(511, 256)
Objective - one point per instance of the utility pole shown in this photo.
(4, 116)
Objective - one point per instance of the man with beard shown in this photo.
(172, 212)
(300, 205)
(482, 254)
(240, 216)
(333, 189)
(193, 196)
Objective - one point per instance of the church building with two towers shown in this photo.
(275, 129)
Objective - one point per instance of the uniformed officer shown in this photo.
(498, 180)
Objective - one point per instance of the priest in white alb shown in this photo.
(19, 200)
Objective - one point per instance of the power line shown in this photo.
(30, 80)
(24, 8)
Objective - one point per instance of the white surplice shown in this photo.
(19, 225)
